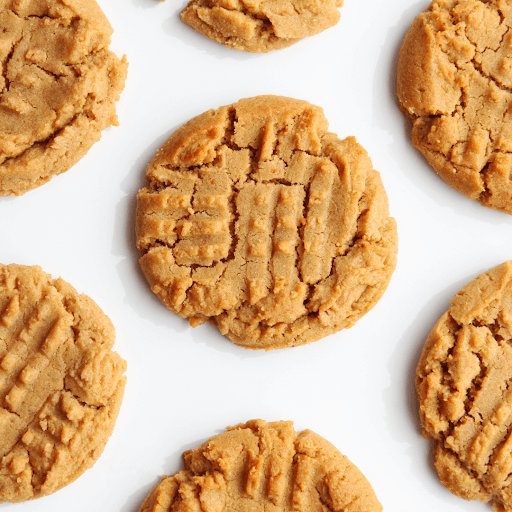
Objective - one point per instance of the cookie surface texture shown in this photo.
(258, 219)
(61, 385)
(464, 379)
(454, 84)
(58, 87)
(263, 25)
(260, 466)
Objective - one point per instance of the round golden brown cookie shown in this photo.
(58, 87)
(263, 466)
(61, 385)
(257, 218)
(454, 84)
(464, 382)
(263, 25)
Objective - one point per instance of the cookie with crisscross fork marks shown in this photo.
(61, 385)
(464, 383)
(59, 84)
(257, 218)
(260, 466)
(455, 85)
(260, 26)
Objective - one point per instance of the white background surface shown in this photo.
(355, 388)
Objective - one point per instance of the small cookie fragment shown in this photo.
(258, 219)
(260, 466)
(58, 87)
(454, 84)
(61, 385)
(263, 25)
(463, 381)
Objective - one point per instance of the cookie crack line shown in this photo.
(473, 473)
(98, 407)
(9, 410)
(48, 72)
(235, 240)
(495, 451)
(44, 16)
(495, 80)
(43, 142)
(8, 59)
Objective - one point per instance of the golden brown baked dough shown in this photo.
(260, 26)
(454, 80)
(257, 218)
(61, 385)
(464, 382)
(260, 467)
(58, 87)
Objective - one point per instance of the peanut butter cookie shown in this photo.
(464, 380)
(260, 26)
(58, 87)
(264, 466)
(61, 385)
(454, 84)
(258, 219)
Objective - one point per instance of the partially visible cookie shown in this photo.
(260, 26)
(257, 218)
(260, 466)
(58, 87)
(464, 384)
(61, 385)
(454, 84)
